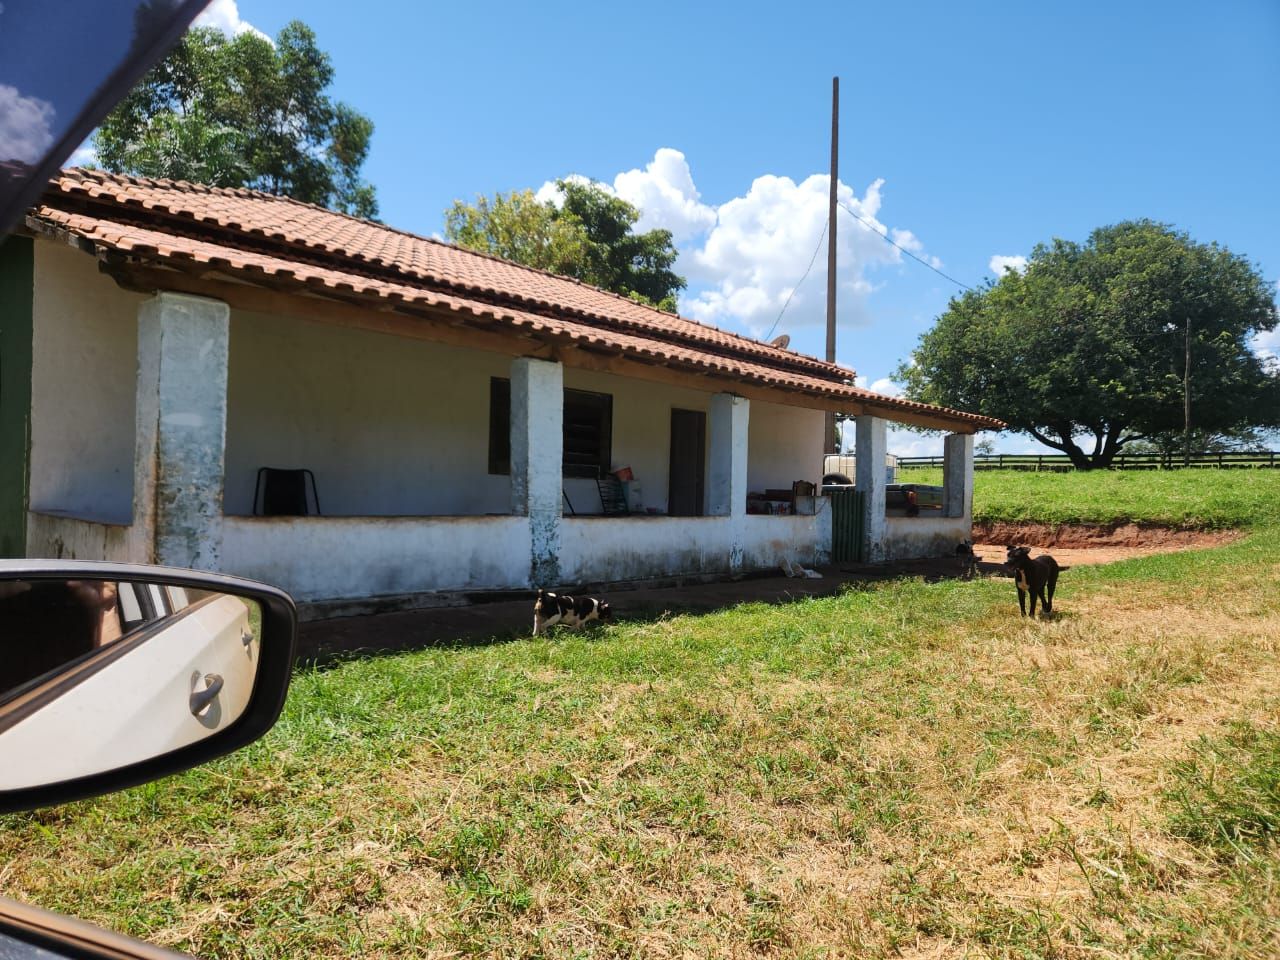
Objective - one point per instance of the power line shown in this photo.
(887, 239)
(812, 261)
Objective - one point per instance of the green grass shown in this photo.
(1227, 792)
(904, 769)
(1207, 499)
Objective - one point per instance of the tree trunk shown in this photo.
(1079, 459)
(1104, 457)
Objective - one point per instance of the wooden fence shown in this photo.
(1124, 461)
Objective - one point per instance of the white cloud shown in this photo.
(1267, 346)
(665, 195)
(663, 192)
(762, 243)
(85, 155)
(744, 257)
(907, 443)
(224, 15)
(1000, 263)
(24, 126)
(884, 386)
(550, 191)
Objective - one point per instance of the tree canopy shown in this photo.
(1085, 350)
(520, 228)
(590, 235)
(243, 112)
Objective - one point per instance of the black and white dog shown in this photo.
(552, 608)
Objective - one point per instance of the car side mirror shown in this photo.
(115, 674)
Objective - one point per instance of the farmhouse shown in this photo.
(461, 416)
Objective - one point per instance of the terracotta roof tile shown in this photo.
(250, 233)
(322, 231)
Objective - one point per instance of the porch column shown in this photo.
(727, 480)
(869, 477)
(537, 454)
(180, 453)
(957, 475)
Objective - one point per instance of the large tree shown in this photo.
(590, 234)
(244, 112)
(518, 227)
(1086, 349)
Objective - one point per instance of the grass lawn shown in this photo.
(905, 770)
(1207, 499)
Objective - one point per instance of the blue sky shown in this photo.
(968, 131)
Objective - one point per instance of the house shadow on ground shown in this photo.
(499, 619)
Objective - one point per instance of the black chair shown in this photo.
(283, 493)
(613, 496)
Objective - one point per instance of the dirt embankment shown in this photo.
(1093, 542)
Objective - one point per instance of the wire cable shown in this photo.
(889, 240)
(812, 261)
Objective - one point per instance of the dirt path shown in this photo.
(1092, 543)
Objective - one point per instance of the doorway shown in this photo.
(688, 453)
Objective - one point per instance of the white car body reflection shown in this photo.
(85, 720)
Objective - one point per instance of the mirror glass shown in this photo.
(96, 675)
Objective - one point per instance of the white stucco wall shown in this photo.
(54, 537)
(641, 433)
(321, 558)
(397, 427)
(389, 426)
(83, 378)
(637, 548)
(785, 445)
(767, 541)
(910, 538)
(604, 549)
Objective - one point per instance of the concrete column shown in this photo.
(869, 468)
(727, 480)
(727, 486)
(957, 475)
(180, 454)
(537, 454)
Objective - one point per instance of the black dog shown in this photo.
(967, 559)
(1036, 577)
(552, 608)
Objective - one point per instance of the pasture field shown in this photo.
(905, 770)
(1199, 498)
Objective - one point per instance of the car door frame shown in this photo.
(66, 936)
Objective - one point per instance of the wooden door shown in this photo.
(688, 453)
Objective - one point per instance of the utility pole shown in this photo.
(832, 248)
(1186, 399)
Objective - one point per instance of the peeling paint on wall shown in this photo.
(188, 338)
(911, 538)
(870, 449)
(537, 447)
(67, 538)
